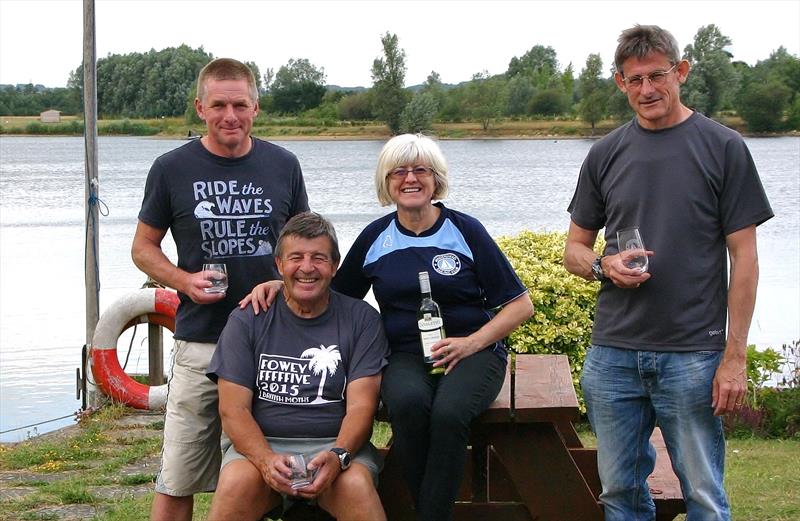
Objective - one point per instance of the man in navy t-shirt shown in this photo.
(225, 198)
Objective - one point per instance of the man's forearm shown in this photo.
(741, 302)
(157, 265)
(356, 428)
(246, 436)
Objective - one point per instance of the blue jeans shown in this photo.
(626, 393)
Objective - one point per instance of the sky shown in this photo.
(41, 40)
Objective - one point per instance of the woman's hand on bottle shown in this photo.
(450, 351)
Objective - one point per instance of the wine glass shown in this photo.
(632, 250)
(217, 274)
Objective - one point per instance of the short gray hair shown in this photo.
(406, 150)
(310, 225)
(642, 40)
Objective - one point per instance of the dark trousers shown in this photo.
(430, 417)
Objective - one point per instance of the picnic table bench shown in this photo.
(526, 461)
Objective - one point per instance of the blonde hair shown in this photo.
(407, 150)
(226, 69)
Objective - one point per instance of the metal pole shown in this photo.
(92, 187)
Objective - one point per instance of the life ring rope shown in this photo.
(150, 305)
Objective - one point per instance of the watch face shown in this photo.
(597, 269)
(344, 457)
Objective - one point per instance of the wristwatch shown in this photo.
(597, 269)
(344, 457)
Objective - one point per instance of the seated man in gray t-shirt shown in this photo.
(302, 377)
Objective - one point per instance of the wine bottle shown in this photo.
(429, 321)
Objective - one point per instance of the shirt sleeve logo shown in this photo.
(446, 264)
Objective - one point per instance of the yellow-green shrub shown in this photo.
(563, 303)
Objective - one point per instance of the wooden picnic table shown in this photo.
(526, 460)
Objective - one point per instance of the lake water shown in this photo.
(510, 185)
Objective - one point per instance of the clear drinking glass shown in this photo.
(217, 274)
(301, 474)
(631, 248)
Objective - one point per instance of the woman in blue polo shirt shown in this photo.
(470, 279)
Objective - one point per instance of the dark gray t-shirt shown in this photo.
(686, 188)
(227, 210)
(299, 369)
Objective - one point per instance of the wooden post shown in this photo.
(92, 186)
(155, 341)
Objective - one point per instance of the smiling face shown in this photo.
(413, 190)
(307, 268)
(228, 110)
(656, 106)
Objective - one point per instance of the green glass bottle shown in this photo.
(429, 321)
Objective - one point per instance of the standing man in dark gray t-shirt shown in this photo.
(302, 376)
(225, 198)
(668, 344)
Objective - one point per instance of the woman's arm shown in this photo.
(451, 350)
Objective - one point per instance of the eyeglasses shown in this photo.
(656, 79)
(419, 171)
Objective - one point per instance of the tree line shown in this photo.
(162, 84)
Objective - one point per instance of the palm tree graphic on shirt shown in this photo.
(324, 361)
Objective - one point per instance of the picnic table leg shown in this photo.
(546, 477)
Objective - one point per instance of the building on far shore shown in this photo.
(50, 116)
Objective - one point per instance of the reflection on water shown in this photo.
(509, 185)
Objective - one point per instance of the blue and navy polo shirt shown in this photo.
(469, 275)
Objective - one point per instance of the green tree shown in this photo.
(418, 115)
(484, 97)
(712, 80)
(762, 105)
(539, 62)
(520, 92)
(388, 76)
(298, 86)
(549, 102)
(433, 85)
(355, 107)
(594, 94)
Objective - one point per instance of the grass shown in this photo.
(762, 477)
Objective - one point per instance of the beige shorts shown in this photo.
(368, 455)
(191, 454)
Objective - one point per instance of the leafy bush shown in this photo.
(772, 411)
(761, 365)
(563, 303)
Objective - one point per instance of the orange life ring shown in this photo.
(151, 305)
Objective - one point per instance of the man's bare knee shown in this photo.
(241, 493)
(353, 488)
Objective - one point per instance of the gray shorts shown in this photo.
(367, 456)
(191, 454)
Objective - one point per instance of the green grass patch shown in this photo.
(137, 479)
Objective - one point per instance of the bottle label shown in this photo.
(429, 338)
(428, 322)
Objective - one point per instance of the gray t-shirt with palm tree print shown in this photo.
(299, 369)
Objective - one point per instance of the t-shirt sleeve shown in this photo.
(371, 348)
(350, 279)
(300, 197)
(156, 208)
(587, 208)
(496, 276)
(743, 201)
(233, 357)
